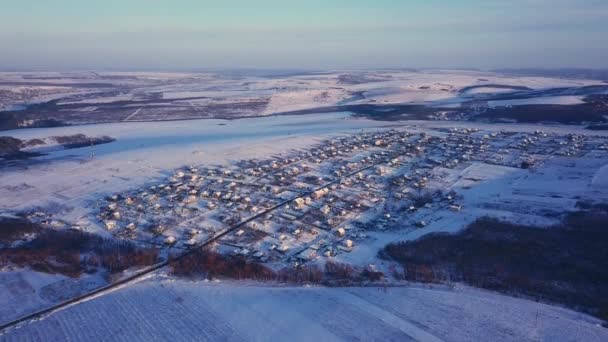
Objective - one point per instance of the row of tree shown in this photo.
(210, 264)
(72, 253)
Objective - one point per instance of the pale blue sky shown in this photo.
(309, 34)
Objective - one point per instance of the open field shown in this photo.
(51, 99)
(158, 309)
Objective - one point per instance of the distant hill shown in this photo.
(594, 74)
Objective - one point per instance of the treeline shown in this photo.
(71, 252)
(81, 140)
(534, 113)
(12, 229)
(9, 146)
(565, 264)
(210, 264)
(12, 147)
(201, 262)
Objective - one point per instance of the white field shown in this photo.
(556, 100)
(156, 310)
(20, 292)
(289, 93)
(431, 87)
(25, 291)
(488, 90)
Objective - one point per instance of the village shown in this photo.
(323, 214)
(313, 205)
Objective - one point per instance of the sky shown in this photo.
(302, 34)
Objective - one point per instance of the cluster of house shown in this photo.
(322, 201)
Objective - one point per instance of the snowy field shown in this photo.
(554, 100)
(112, 97)
(156, 310)
(23, 287)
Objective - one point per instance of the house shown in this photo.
(283, 249)
(329, 253)
(340, 232)
(318, 194)
(299, 202)
(170, 240)
(190, 242)
(325, 209)
(110, 224)
(157, 229)
(307, 255)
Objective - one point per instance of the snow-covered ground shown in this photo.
(556, 100)
(20, 292)
(272, 94)
(26, 291)
(155, 310)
